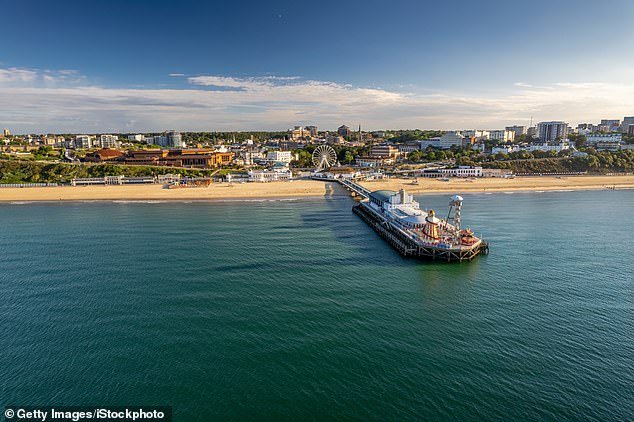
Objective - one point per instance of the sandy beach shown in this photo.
(309, 188)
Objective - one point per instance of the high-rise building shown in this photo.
(343, 130)
(613, 125)
(627, 123)
(83, 141)
(174, 139)
(6, 132)
(519, 130)
(551, 131)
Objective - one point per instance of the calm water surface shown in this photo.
(296, 310)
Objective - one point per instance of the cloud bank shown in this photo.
(40, 101)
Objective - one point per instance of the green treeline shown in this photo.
(14, 171)
(600, 162)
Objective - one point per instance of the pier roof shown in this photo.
(383, 195)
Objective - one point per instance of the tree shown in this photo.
(577, 139)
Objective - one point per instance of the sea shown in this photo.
(297, 310)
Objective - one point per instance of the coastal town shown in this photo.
(194, 159)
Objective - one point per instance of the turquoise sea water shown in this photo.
(297, 310)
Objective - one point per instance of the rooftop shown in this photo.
(383, 195)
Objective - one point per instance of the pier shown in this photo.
(407, 247)
(354, 188)
(401, 239)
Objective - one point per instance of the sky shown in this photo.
(149, 66)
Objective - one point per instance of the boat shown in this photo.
(419, 233)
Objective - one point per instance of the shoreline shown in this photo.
(257, 192)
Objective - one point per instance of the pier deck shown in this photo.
(408, 248)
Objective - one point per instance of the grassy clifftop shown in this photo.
(39, 172)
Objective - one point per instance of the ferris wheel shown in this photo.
(324, 157)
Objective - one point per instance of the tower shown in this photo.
(430, 228)
(455, 206)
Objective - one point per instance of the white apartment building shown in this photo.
(562, 146)
(107, 141)
(83, 141)
(505, 149)
(280, 156)
(595, 138)
(502, 135)
(136, 138)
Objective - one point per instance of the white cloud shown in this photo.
(29, 102)
(13, 75)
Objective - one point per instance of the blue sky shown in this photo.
(140, 65)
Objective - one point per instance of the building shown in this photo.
(174, 139)
(450, 139)
(502, 135)
(275, 175)
(290, 145)
(170, 139)
(407, 148)
(431, 142)
(518, 130)
(192, 157)
(83, 141)
(532, 132)
(104, 155)
(252, 156)
(384, 151)
(335, 139)
(136, 138)
(107, 141)
(343, 130)
(505, 149)
(312, 130)
(552, 131)
(496, 173)
(299, 132)
(6, 132)
(611, 125)
(608, 146)
(462, 171)
(279, 156)
(546, 147)
(628, 122)
(595, 138)
(373, 161)
(479, 135)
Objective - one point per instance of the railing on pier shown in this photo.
(355, 187)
